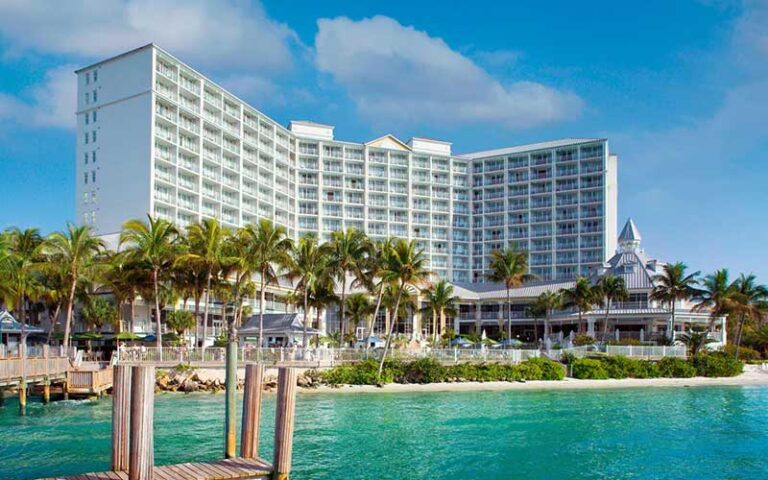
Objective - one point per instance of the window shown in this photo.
(93, 136)
(94, 116)
(85, 176)
(86, 196)
(95, 96)
(87, 97)
(93, 176)
(85, 157)
(93, 197)
(86, 137)
(93, 157)
(95, 76)
(87, 78)
(87, 119)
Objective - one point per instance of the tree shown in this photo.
(581, 296)
(612, 289)
(715, 295)
(269, 253)
(696, 339)
(99, 312)
(72, 254)
(348, 249)
(440, 303)
(549, 301)
(180, 321)
(308, 265)
(21, 265)
(536, 310)
(672, 286)
(205, 255)
(372, 278)
(153, 244)
(406, 265)
(359, 308)
(510, 267)
(750, 303)
(121, 276)
(322, 296)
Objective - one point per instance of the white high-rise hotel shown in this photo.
(155, 136)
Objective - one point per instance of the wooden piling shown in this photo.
(47, 392)
(230, 419)
(121, 407)
(141, 455)
(249, 442)
(284, 421)
(23, 397)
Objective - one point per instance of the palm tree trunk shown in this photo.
(70, 306)
(54, 322)
(262, 301)
(509, 315)
(605, 322)
(343, 322)
(672, 326)
(197, 320)
(306, 317)
(206, 306)
(159, 333)
(391, 329)
(133, 311)
(738, 334)
(375, 314)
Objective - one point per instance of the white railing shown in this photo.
(643, 351)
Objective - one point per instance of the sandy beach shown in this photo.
(751, 377)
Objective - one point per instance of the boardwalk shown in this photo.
(234, 468)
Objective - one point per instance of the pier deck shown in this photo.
(233, 468)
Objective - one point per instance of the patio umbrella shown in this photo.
(461, 342)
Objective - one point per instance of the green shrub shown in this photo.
(425, 370)
(746, 354)
(672, 367)
(550, 370)
(588, 368)
(717, 364)
(582, 340)
(625, 342)
(363, 373)
(623, 367)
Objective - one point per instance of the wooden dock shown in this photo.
(233, 468)
(133, 436)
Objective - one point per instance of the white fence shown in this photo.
(643, 351)
(321, 357)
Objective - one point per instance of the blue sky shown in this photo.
(679, 88)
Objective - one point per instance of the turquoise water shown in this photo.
(664, 433)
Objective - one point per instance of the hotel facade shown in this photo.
(157, 137)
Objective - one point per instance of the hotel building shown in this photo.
(155, 136)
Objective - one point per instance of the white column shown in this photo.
(591, 327)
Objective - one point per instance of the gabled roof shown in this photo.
(632, 266)
(390, 142)
(630, 233)
(276, 324)
(531, 147)
(8, 324)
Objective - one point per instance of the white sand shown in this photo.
(750, 377)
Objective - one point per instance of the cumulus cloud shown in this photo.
(396, 72)
(226, 33)
(50, 103)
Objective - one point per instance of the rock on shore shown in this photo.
(213, 380)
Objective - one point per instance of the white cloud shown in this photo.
(226, 33)
(396, 72)
(50, 103)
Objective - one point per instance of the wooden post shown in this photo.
(249, 443)
(284, 420)
(230, 418)
(46, 391)
(141, 458)
(23, 397)
(121, 406)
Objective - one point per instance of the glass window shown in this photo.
(93, 176)
(87, 97)
(86, 137)
(85, 157)
(87, 119)
(95, 96)
(86, 196)
(94, 116)
(93, 135)
(95, 75)
(93, 157)
(87, 78)
(85, 176)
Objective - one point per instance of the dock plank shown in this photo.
(233, 468)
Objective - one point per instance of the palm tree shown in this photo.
(581, 296)
(749, 302)
(673, 285)
(121, 276)
(696, 339)
(715, 295)
(180, 321)
(509, 266)
(612, 289)
(308, 265)
(322, 296)
(348, 249)
(536, 310)
(269, 252)
(440, 302)
(155, 244)
(72, 253)
(22, 269)
(375, 263)
(359, 308)
(549, 301)
(406, 265)
(205, 254)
